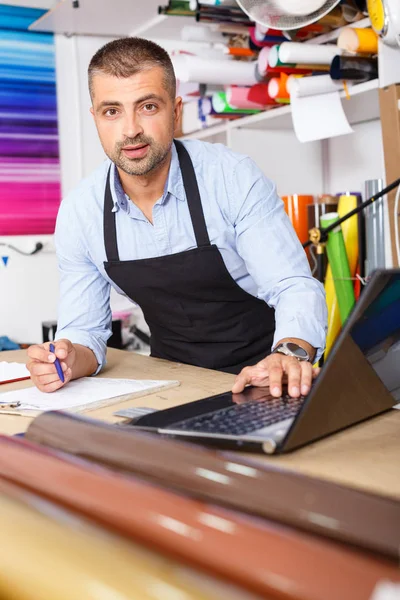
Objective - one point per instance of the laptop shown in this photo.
(360, 379)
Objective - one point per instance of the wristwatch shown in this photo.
(292, 349)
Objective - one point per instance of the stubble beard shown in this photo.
(155, 157)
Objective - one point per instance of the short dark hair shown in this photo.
(127, 56)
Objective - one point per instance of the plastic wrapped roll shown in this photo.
(221, 105)
(258, 93)
(277, 88)
(312, 86)
(265, 69)
(219, 72)
(351, 236)
(374, 228)
(238, 98)
(354, 68)
(362, 41)
(339, 264)
(292, 52)
(296, 208)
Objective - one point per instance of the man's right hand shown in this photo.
(41, 366)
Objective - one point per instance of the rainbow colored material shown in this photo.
(29, 155)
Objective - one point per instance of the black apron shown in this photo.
(196, 312)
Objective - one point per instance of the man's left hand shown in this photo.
(270, 372)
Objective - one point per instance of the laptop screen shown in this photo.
(377, 331)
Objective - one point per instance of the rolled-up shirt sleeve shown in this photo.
(84, 313)
(275, 259)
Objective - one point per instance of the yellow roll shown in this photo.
(62, 557)
(350, 235)
(363, 41)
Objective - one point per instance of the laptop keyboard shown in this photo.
(241, 419)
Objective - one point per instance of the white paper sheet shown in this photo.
(12, 370)
(318, 117)
(82, 393)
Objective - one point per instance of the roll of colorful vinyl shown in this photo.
(270, 492)
(362, 41)
(260, 41)
(347, 202)
(277, 87)
(247, 552)
(264, 68)
(317, 209)
(51, 554)
(237, 97)
(221, 105)
(258, 94)
(312, 86)
(220, 72)
(339, 263)
(354, 68)
(296, 208)
(374, 228)
(293, 52)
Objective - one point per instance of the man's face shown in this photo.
(135, 119)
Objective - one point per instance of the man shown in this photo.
(192, 232)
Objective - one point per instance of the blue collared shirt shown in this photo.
(245, 219)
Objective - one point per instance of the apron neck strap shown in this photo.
(109, 226)
(192, 197)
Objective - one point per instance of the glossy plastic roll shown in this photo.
(361, 41)
(339, 263)
(293, 52)
(354, 68)
(48, 553)
(255, 555)
(260, 41)
(258, 94)
(237, 97)
(312, 86)
(347, 202)
(220, 72)
(277, 88)
(374, 228)
(296, 207)
(264, 68)
(221, 105)
(258, 489)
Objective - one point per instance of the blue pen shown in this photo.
(57, 365)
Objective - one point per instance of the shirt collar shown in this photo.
(173, 185)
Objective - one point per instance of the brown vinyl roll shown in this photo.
(48, 553)
(324, 204)
(321, 507)
(272, 561)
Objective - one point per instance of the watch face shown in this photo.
(296, 350)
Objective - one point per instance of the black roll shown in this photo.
(354, 68)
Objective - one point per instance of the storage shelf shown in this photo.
(362, 106)
(98, 17)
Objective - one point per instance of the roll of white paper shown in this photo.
(313, 86)
(220, 72)
(313, 54)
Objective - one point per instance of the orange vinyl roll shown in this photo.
(296, 208)
(277, 87)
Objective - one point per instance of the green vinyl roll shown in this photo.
(339, 263)
(220, 105)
